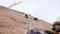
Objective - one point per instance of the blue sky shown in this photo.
(47, 10)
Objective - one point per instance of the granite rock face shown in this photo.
(14, 22)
